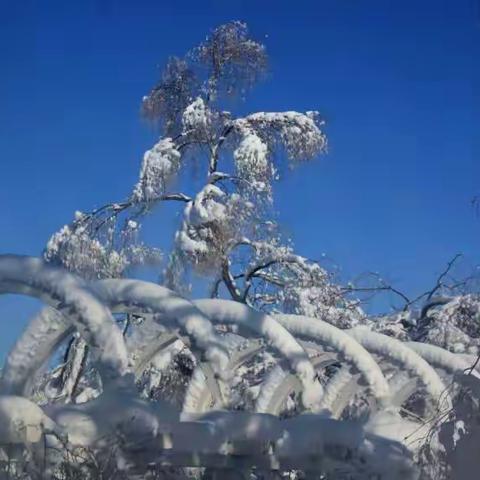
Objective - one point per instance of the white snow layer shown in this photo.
(160, 164)
(31, 351)
(67, 293)
(136, 296)
(396, 351)
(229, 312)
(342, 343)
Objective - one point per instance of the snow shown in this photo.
(73, 248)
(118, 409)
(212, 221)
(69, 294)
(21, 420)
(78, 352)
(270, 395)
(440, 358)
(115, 410)
(48, 329)
(298, 132)
(228, 312)
(389, 424)
(196, 117)
(31, 351)
(197, 390)
(251, 161)
(136, 296)
(360, 453)
(350, 350)
(452, 323)
(306, 288)
(397, 352)
(335, 395)
(152, 342)
(160, 165)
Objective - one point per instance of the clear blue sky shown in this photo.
(397, 81)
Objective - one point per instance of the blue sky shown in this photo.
(398, 83)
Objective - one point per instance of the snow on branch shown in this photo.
(252, 162)
(343, 344)
(299, 133)
(210, 223)
(160, 165)
(228, 312)
(397, 352)
(135, 296)
(68, 293)
(31, 351)
(76, 249)
(197, 119)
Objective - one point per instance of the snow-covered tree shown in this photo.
(229, 232)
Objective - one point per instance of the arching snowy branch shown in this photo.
(395, 351)
(227, 312)
(342, 343)
(64, 291)
(139, 297)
